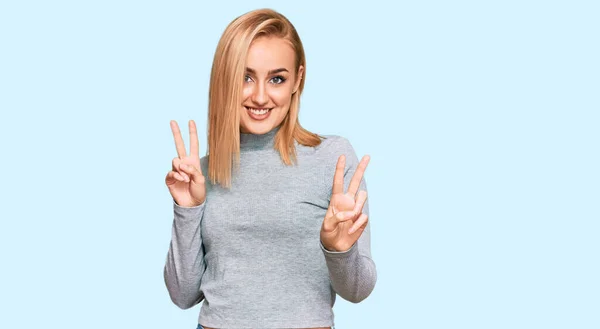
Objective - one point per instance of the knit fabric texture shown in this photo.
(252, 254)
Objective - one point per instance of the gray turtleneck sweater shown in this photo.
(252, 254)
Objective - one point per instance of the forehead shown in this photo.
(267, 53)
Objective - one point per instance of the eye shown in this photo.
(278, 80)
(247, 78)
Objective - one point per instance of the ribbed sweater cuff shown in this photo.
(340, 254)
(188, 213)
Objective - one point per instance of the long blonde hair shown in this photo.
(225, 94)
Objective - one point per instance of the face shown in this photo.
(269, 83)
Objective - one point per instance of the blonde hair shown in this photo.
(225, 94)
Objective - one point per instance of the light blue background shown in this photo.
(481, 119)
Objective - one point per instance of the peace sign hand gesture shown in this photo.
(344, 221)
(185, 181)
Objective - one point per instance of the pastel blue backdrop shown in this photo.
(481, 119)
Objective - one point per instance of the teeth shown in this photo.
(259, 112)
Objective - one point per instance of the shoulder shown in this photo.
(335, 145)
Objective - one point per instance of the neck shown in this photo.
(252, 142)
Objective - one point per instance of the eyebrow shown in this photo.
(270, 72)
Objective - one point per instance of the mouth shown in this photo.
(258, 113)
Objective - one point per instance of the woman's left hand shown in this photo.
(344, 221)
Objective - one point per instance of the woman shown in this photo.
(280, 227)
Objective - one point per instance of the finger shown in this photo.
(331, 222)
(176, 162)
(194, 149)
(361, 198)
(178, 140)
(193, 172)
(358, 175)
(330, 211)
(180, 177)
(173, 177)
(361, 223)
(338, 177)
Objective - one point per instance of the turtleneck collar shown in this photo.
(252, 142)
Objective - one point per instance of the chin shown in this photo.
(258, 129)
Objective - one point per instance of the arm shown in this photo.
(185, 260)
(352, 272)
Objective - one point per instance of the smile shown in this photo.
(258, 114)
(257, 110)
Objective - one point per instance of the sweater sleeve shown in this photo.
(185, 260)
(352, 272)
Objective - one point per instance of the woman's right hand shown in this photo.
(185, 181)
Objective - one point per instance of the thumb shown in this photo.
(331, 222)
(195, 174)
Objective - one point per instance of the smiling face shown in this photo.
(269, 82)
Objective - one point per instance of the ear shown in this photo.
(299, 77)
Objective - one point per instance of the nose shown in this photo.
(259, 94)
